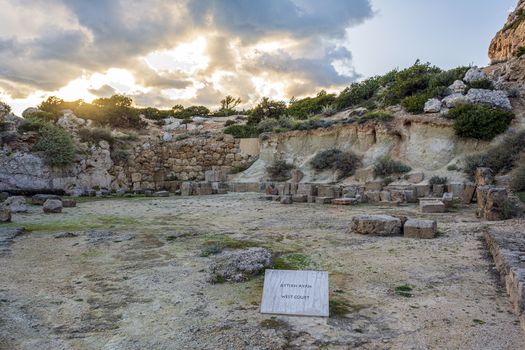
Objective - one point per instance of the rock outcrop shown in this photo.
(508, 40)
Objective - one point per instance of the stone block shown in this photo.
(161, 194)
(312, 199)
(410, 196)
(398, 196)
(468, 193)
(376, 225)
(286, 200)
(448, 200)
(300, 198)
(186, 188)
(39, 199)
(297, 175)
(53, 206)
(373, 196)
(385, 196)
(457, 189)
(415, 177)
(422, 190)
(326, 191)
(431, 206)
(203, 189)
(324, 200)
(484, 176)
(374, 185)
(344, 201)
(136, 177)
(420, 229)
(306, 189)
(69, 203)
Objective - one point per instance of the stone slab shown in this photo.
(344, 201)
(300, 293)
(432, 206)
(420, 229)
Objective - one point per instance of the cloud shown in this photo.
(73, 38)
(103, 91)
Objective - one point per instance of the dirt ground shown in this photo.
(133, 276)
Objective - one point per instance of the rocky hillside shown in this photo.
(510, 41)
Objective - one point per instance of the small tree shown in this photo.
(230, 102)
(267, 109)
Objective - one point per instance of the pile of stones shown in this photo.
(52, 204)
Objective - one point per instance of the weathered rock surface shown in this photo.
(5, 214)
(7, 235)
(68, 202)
(376, 225)
(432, 106)
(420, 228)
(495, 98)
(507, 41)
(474, 74)
(508, 251)
(17, 204)
(484, 176)
(492, 203)
(432, 206)
(454, 100)
(40, 199)
(239, 265)
(458, 87)
(53, 206)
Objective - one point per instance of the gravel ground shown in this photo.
(133, 275)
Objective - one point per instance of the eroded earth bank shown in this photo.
(132, 273)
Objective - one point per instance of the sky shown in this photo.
(162, 53)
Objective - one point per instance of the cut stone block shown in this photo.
(344, 201)
(300, 198)
(186, 188)
(422, 190)
(432, 206)
(376, 225)
(398, 196)
(420, 228)
(375, 185)
(468, 193)
(373, 196)
(323, 200)
(484, 176)
(457, 189)
(307, 189)
(385, 196)
(448, 200)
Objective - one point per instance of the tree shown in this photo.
(230, 102)
(267, 109)
(53, 105)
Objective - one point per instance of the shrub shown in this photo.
(32, 124)
(446, 78)
(482, 84)
(242, 131)
(56, 144)
(436, 180)
(279, 170)
(5, 107)
(376, 115)
(267, 125)
(452, 167)
(305, 107)
(156, 114)
(385, 166)
(416, 103)
(267, 109)
(180, 112)
(230, 123)
(358, 93)
(95, 135)
(344, 162)
(328, 110)
(479, 121)
(517, 179)
(500, 158)
(520, 51)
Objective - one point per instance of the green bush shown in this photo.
(156, 114)
(358, 93)
(385, 166)
(344, 162)
(230, 123)
(242, 131)
(180, 112)
(416, 103)
(305, 107)
(520, 51)
(266, 109)
(279, 170)
(56, 144)
(267, 125)
(479, 121)
(328, 110)
(446, 78)
(378, 115)
(437, 180)
(95, 135)
(32, 124)
(482, 84)
(500, 158)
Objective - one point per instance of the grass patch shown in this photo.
(477, 321)
(521, 196)
(292, 261)
(77, 224)
(219, 243)
(273, 324)
(339, 307)
(405, 290)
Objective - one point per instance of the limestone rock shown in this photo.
(507, 41)
(161, 194)
(29, 111)
(70, 121)
(495, 98)
(458, 87)
(5, 214)
(344, 201)
(52, 206)
(17, 204)
(454, 100)
(433, 106)
(474, 74)
(167, 136)
(484, 176)
(286, 200)
(239, 265)
(297, 175)
(39, 199)
(420, 228)
(376, 225)
(431, 206)
(491, 202)
(448, 200)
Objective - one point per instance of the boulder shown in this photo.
(458, 87)
(432, 106)
(167, 136)
(484, 177)
(420, 228)
(52, 206)
(5, 214)
(239, 265)
(495, 98)
(17, 204)
(286, 200)
(453, 100)
(39, 199)
(69, 203)
(161, 194)
(431, 206)
(376, 225)
(30, 111)
(474, 74)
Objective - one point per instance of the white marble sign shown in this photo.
(303, 293)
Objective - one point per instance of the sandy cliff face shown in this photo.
(507, 41)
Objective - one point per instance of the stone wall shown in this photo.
(161, 164)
